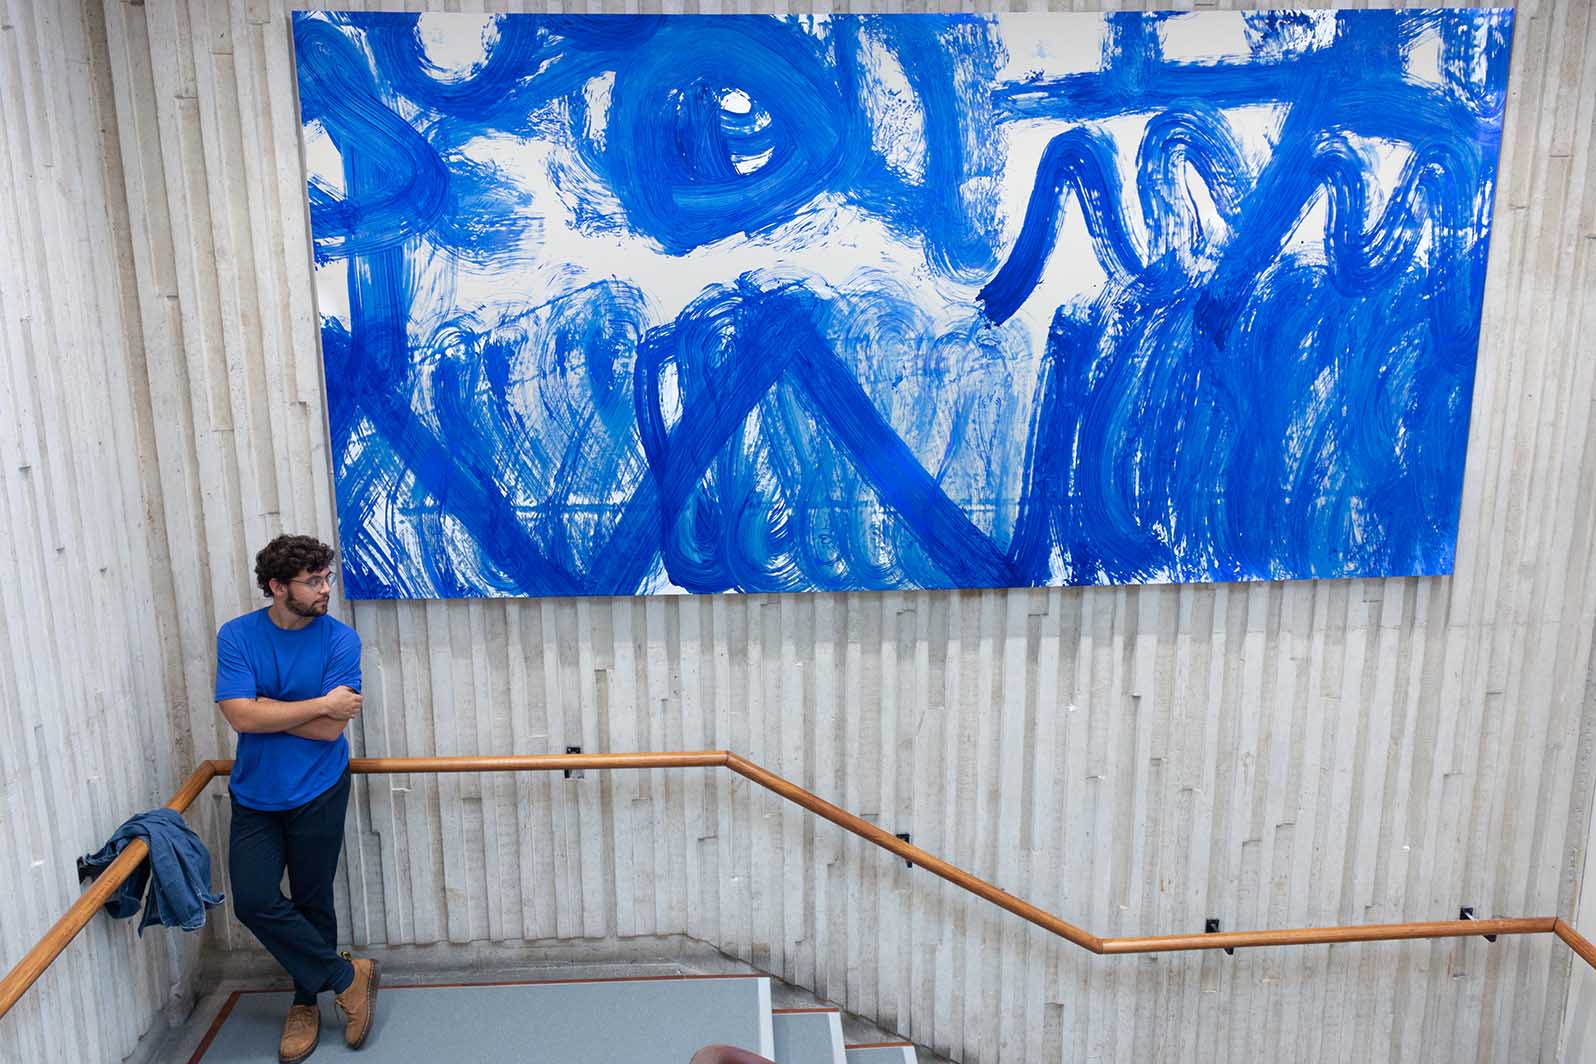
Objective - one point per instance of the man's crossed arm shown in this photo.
(314, 718)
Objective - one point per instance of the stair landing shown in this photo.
(547, 1022)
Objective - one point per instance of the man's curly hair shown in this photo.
(286, 557)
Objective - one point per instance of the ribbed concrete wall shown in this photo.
(93, 724)
(1133, 759)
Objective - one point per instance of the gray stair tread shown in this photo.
(630, 1021)
(891, 1054)
(808, 1036)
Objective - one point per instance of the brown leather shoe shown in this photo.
(301, 1032)
(359, 1001)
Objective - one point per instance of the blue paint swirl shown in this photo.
(1240, 397)
(676, 146)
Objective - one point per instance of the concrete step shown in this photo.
(887, 1053)
(561, 1014)
(808, 1036)
(614, 1021)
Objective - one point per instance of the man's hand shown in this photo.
(342, 703)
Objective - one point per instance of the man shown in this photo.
(288, 681)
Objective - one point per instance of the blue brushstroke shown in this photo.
(1230, 403)
(949, 61)
(729, 349)
(394, 40)
(405, 184)
(1082, 162)
(672, 144)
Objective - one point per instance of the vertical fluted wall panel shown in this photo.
(89, 676)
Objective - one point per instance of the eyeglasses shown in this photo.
(318, 583)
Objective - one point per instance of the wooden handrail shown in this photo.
(887, 841)
(1576, 941)
(48, 948)
(1306, 936)
(27, 971)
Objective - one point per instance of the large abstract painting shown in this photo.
(630, 305)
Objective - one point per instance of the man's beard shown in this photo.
(313, 608)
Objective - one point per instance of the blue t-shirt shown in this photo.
(257, 659)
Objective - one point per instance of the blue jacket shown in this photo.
(181, 892)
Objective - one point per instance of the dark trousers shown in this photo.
(301, 931)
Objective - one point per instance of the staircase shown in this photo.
(649, 1020)
(814, 1036)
